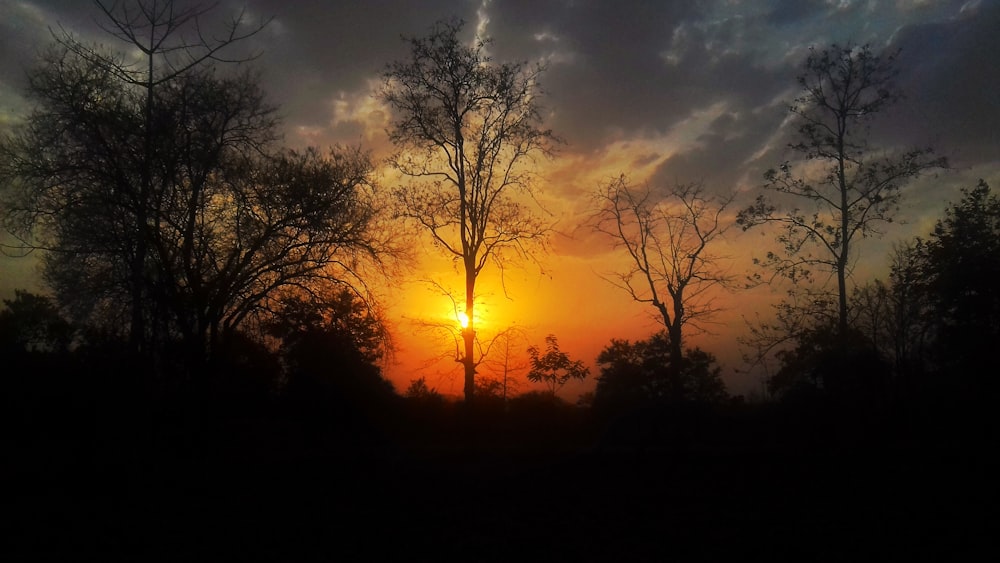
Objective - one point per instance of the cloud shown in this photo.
(951, 78)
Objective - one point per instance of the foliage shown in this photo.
(330, 348)
(158, 186)
(818, 365)
(961, 266)
(31, 322)
(923, 335)
(466, 127)
(420, 391)
(490, 388)
(850, 188)
(634, 374)
(338, 322)
(98, 111)
(553, 367)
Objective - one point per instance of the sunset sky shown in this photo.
(664, 92)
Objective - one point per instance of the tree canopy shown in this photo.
(162, 186)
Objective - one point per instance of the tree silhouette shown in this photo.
(553, 367)
(895, 316)
(419, 390)
(466, 127)
(961, 263)
(172, 45)
(30, 322)
(506, 364)
(667, 238)
(926, 335)
(636, 374)
(160, 187)
(857, 188)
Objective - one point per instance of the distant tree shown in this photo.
(817, 366)
(553, 367)
(31, 323)
(909, 309)
(503, 363)
(635, 374)
(420, 391)
(894, 316)
(849, 187)
(872, 313)
(703, 378)
(667, 237)
(490, 396)
(466, 128)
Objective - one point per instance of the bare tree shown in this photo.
(667, 238)
(466, 128)
(856, 189)
(506, 362)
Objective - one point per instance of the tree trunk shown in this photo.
(845, 223)
(674, 334)
(469, 336)
(676, 358)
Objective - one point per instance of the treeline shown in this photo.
(919, 345)
(190, 257)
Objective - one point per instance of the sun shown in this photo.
(463, 320)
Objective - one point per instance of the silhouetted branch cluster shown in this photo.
(158, 185)
(856, 189)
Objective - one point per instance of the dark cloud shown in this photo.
(790, 12)
(951, 79)
(609, 77)
(315, 49)
(26, 27)
(621, 71)
(726, 157)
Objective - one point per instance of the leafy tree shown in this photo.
(104, 106)
(553, 367)
(466, 127)
(849, 188)
(961, 264)
(818, 366)
(331, 345)
(667, 238)
(31, 322)
(420, 391)
(160, 187)
(634, 374)
(338, 325)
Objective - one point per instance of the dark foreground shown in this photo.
(194, 487)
